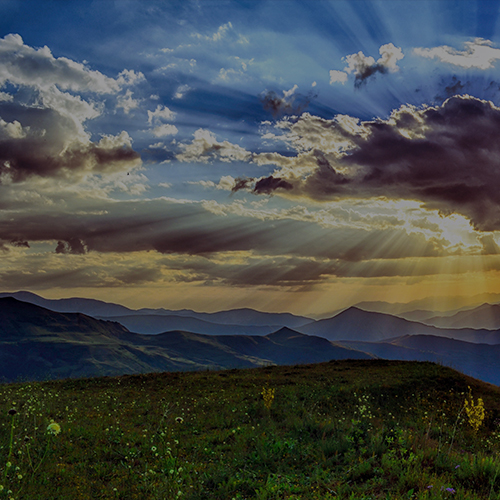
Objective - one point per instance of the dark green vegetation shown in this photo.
(344, 430)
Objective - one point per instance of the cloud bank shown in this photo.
(43, 121)
(445, 157)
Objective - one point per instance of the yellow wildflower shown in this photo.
(54, 428)
(268, 396)
(475, 411)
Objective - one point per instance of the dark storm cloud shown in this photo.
(73, 245)
(269, 184)
(446, 157)
(176, 228)
(365, 71)
(46, 143)
(288, 104)
(241, 183)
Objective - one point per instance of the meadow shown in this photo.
(338, 430)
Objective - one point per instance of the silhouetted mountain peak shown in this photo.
(284, 334)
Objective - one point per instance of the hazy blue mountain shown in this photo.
(37, 343)
(98, 308)
(477, 360)
(367, 326)
(440, 305)
(243, 316)
(91, 307)
(422, 315)
(485, 316)
(153, 324)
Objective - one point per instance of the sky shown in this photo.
(283, 155)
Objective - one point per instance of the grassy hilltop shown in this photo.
(338, 430)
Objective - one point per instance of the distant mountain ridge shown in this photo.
(99, 308)
(154, 324)
(357, 324)
(477, 360)
(483, 316)
(37, 343)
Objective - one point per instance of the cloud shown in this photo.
(181, 91)
(205, 148)
(88, 225)
(224, 32)
(478, 53)
(444, 157)
(4, 97)
(363, 67)
(163, 130)
(157, 117)
(337, 76)
(269, 184)
(290, 104)
(21, 64)
(159, 114)
(44, 142)
(127, 102)
(43, 126)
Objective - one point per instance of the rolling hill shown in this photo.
(36, 343)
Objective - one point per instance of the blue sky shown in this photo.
(282, 155)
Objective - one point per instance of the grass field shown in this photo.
(343, 430)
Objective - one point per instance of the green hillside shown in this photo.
(353, 429)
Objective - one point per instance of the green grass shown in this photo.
(343, 430)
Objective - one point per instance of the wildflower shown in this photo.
(268, 396)
(19, 476)
(179, 420)
(153, 448)
(54, 428)
(8, 464)
(475, 411)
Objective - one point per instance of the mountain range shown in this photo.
(38, 342)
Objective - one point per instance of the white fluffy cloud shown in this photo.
(478, 53)
(337, 76)
(164, 129)
(159, 114)
(127, 102)
(205, 148)
(21, 64)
